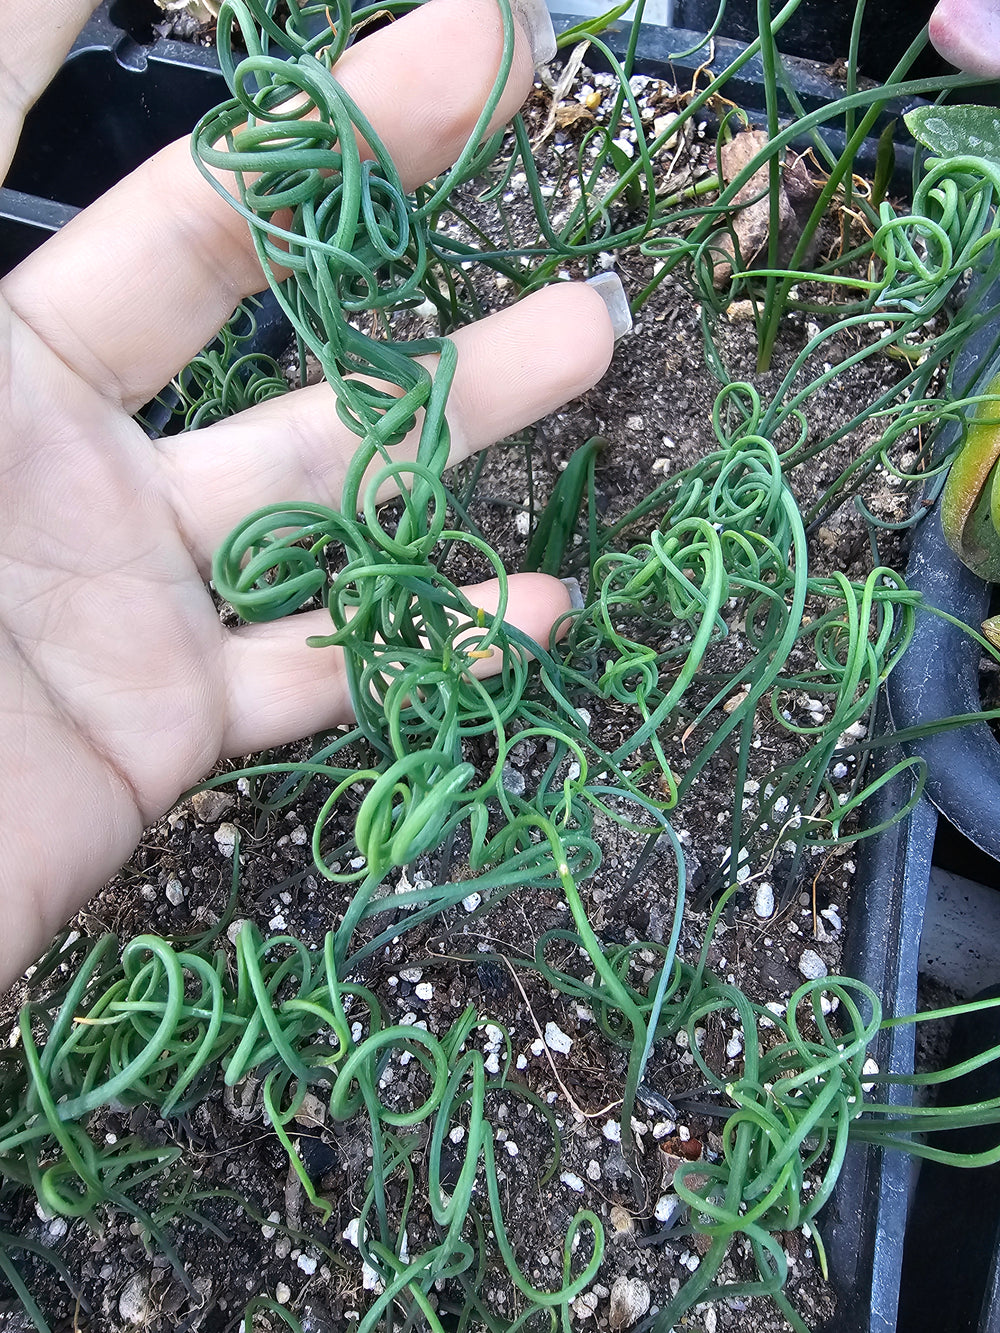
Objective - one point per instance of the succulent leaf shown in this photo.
(957, 131)
(970, 502)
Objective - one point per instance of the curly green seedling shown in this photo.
(701, 621)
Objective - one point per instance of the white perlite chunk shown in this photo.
(572, 1182)
(174, 892)
(424, 991)
(225, 836)
(763, 903)
(307, 1263)
(234, 929)
(667, 1207)
(585, 1306)
(556, 1039)
(811, 965)
(472, 902)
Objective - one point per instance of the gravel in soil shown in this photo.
(654, 410)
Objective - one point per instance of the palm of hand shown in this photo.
(122, 688)
(106, 619)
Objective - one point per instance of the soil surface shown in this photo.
(654, 409)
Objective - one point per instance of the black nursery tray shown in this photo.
(864, 1223)
(939, 678)
(939, 675)
(120, 96)
(951, 1275)
(951, 1269)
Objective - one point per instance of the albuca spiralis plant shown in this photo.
(720, 544)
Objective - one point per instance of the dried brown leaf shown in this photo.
(570, 114)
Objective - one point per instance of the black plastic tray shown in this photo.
(951, 1275)
(864, 1223)
(821, 30)
(939, 674)
(115, 101)
(938, 678)
(121, 95)
(951, 1278)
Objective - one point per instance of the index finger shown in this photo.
(137, 284)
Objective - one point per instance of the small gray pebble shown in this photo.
(811, 965)
(210, 806)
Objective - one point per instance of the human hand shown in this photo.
(120, 686)
(967, 34)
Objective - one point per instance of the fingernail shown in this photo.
(610, 289)
(537, 23)
(572, 586)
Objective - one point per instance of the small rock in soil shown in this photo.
(811, 965)
(763, 903)
(585, 1306)
(210, 806)
(133, 1303)
(629, 1302)
(225, 835)
(667, 1208)
(557, 1040)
